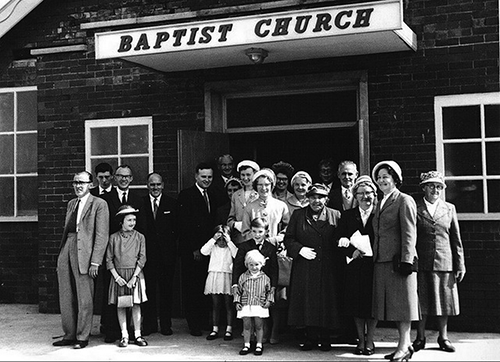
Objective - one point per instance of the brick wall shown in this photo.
(457, 53)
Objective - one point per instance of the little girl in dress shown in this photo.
(125, 259)
(253, 297)
(221, 250)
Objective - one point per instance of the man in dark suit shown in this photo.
(118, 196)
(341, 198)
(160, 226)
(83, 245)
(104, 176)
(197, 211)
(225, 170)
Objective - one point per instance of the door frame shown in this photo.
(216, 94)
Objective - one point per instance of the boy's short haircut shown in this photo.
(260, 222)
(255, 256)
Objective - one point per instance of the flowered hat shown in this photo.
(432, 176)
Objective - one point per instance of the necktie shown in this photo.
(347, 194)
(73, 218)
(155, 206)
(205, 196)
(124, 198)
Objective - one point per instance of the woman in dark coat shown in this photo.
(314, 283)
(441, 259)
(358, 274)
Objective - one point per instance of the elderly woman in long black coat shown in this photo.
(310, 241)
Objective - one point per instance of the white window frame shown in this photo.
(15, 174)
(478, 99)
(119, 122)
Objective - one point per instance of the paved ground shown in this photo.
(26, 335)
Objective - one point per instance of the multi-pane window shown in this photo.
(121, 141)
(468, 152)
(18, 150)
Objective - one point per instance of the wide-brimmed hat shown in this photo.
(248, 163)
(390, 163)
(432, 176)
(317, 189)
(364, 179)
(125, 210)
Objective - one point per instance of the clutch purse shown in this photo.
(125, 301)
(396, 263)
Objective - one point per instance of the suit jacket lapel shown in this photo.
(441, 210)
(390, 200)
(86, 207)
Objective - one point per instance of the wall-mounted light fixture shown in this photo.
(256, 55)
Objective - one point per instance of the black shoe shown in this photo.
(167, 332)
(244, 351)
(325, 347)
(390, 356)
(418, 344)
(445, 345)
(140, 341)
(307, 346)
(228, 336)
(195, 332)
(369, 351)
(64, 342)
(80, 344)
(213, 335)
(358, 351)
(258, 351)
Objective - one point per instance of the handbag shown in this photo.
(396, 263)
(284, 270)
(127, 300)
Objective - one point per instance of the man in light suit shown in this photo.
(160, 230)
(83, 245)
(196, 227)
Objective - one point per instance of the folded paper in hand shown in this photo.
(362, 243)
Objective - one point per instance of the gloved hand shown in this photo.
(405, 269)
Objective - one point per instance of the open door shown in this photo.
(195, 147)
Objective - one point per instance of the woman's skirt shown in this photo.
(139, 291)
(253, 311)
(438, 293)
(218, 283)
(395, 296)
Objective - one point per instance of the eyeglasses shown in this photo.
(78, 183)
(364, 193)
(437, 187)
(123, 176)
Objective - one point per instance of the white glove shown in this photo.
(307, 253)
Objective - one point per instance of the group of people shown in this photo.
(354, 252)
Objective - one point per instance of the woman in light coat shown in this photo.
(241, 199)
(441, 259)
(395, 236)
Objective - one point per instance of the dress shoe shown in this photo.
(325, 346)
(307, 346)
(140, 341)
(195, 332)
(167, 332)
(445, 345)
(213, 335)
(258, 351)
(80, 344)
(390, 356)
(244, 351)
(228, 336)
(358, 351)
(418, 344)
(123, 342)
(406, 356)
(64, 342)
(368, 351)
